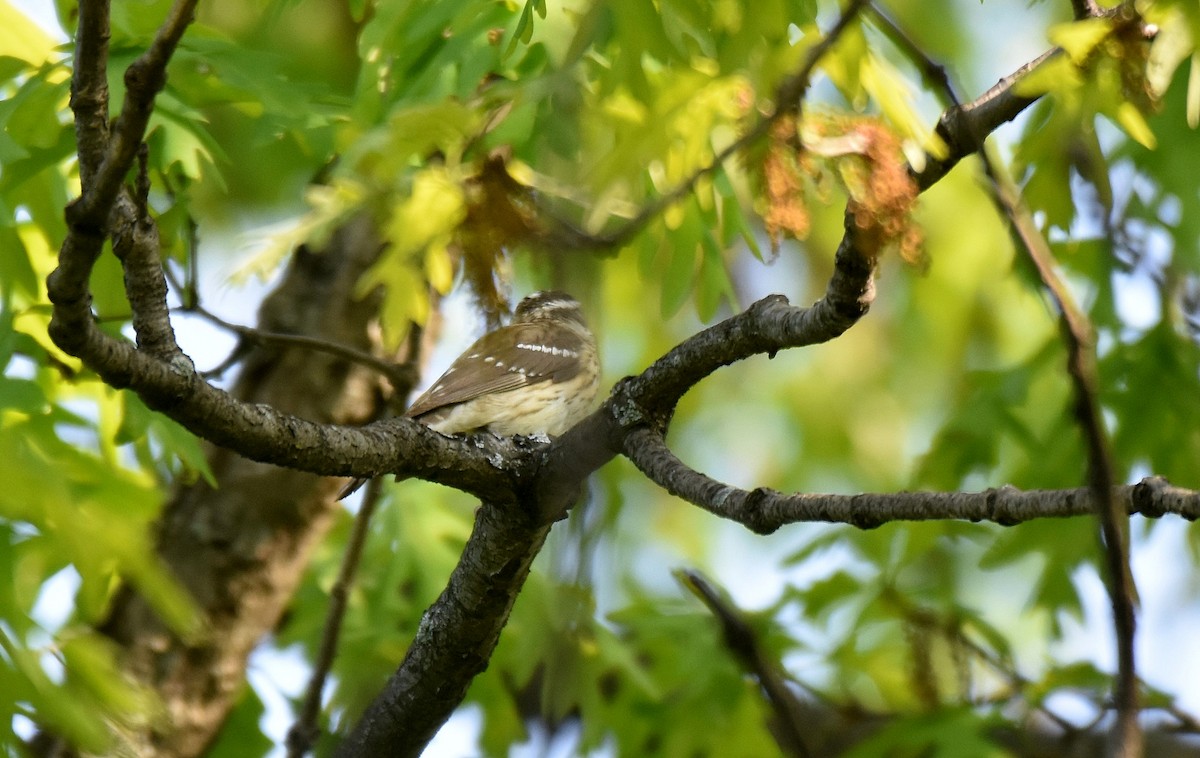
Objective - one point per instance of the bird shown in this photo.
(535, 377)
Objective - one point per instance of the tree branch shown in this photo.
(787, 726)
(136, 245)
(964, 127)
(303, 734)
(89, 87)
(399, 374)
(144, 79)
(764, 510)
(456, 636)
(1114, 520)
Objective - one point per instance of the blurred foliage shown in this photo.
(476, 132)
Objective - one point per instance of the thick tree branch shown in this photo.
(136, 244)
(89, 86)
(144, 79)
(261, 433)
(456, 637)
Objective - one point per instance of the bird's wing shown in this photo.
(503, 360)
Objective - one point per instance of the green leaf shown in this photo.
(240, 734)
(1134, 124)
(1075, 676)
(952, 733)
(22, 395)
(679, 278)
(523, 32)
(17, 276)
(1055, 75)
(31, 117)
(68, 717)
(1061, 546)
(172, 441)
(92, 668)
(826, 595)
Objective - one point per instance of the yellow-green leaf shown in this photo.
(439, 268)
(1055, 75)
(435, 207)
(330, 205)
(21, 38)
(1134, 124)
(1079, 38)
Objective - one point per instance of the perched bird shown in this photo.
(537, 376)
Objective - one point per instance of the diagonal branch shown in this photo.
(399, 374)
(1081, 367)
(456, 637)
(304, 733)
(1114, 521)
(144, 79)
(787, 726)
(964, 127)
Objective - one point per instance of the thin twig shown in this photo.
(1187, 722)
(931, 70)
(304, 733)
(399, 374)
(189, 293)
